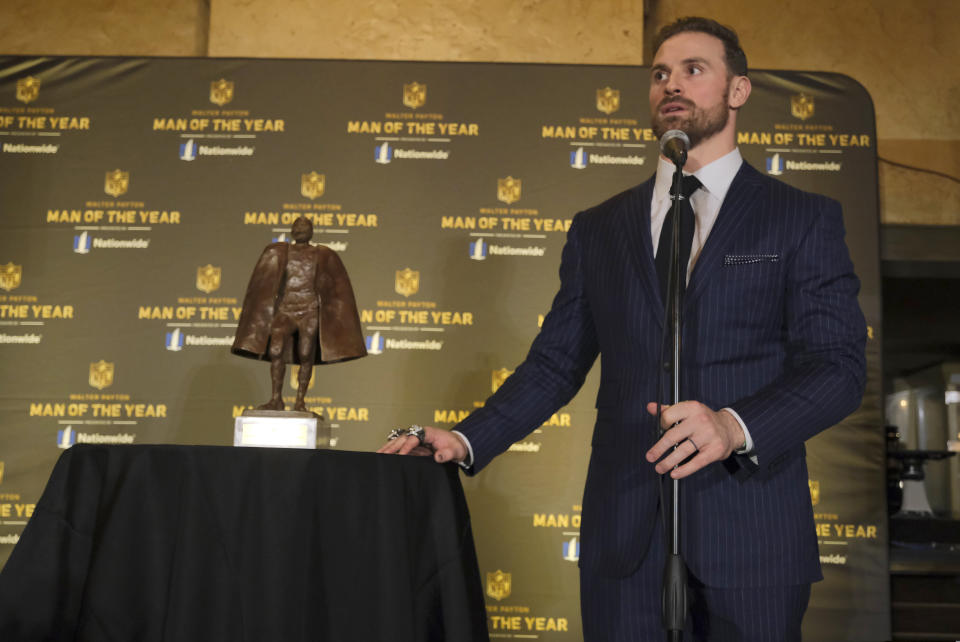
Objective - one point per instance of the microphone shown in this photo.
(674, 145)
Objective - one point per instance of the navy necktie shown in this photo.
(689, 185)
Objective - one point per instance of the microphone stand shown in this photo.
(674, 591)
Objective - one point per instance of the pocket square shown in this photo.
(746, 259)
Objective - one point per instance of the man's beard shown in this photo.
(699, 124)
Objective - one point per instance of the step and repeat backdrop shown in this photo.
(136, 194)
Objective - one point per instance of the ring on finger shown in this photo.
(693, 443)
(395, 433)
(416, 431)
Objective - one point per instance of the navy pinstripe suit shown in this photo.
(772, 329)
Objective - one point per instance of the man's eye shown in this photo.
(659, 76)
(693, 70)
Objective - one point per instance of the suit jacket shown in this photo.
(772, 329)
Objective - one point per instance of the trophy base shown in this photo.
(280, 429)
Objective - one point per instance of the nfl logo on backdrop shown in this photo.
(478, 250)
(374, 343)
(571, 550)
(774, 165)
(81, 243)
(66, 437)
(383, 154)
(174, 340)
(188, 150)
(578, 158)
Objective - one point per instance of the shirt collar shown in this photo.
(715, 176)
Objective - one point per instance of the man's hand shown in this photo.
(442, 444)
(713, 436)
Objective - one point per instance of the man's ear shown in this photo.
(739, 91)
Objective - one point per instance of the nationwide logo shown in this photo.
(383, 154)
(814, 491)
(221, 92)
(578, 159)
(571, 550)
(374, 343)
(801, 106)
(777, 166)
(116, 183)
(407, 282)
(498, 377)
(101, 374)
(774, 165)
(508, 189)
(20, 148)
(313, 185)
(499, 585)
(608, 100)
(28, 89)
(190, 150)
(414, 95)
(68, 437)
(81, 243)
(10, 276)
(208, 278)
(174, 340)
(478, 250)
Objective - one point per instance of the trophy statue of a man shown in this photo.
(299, 308)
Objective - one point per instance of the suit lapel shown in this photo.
(741, 200)
(636, 226)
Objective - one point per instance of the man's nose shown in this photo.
(672, 87)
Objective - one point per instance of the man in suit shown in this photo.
(772, 353)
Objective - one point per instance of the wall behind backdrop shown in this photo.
(138, 193)
(903, 53)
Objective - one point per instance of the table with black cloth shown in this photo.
(183, 543)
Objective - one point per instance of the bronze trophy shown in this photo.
(299, 308)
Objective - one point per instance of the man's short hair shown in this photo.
(735, 57)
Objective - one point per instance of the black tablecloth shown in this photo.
(183, 543)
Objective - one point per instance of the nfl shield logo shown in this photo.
(28, 89)
(116, 183)
(10, 276)
(295, 377)
(101, 374)
(801, 106)
(221, 92)
(408, 282)
(312, 185)
(498, 585)
(608, 100)
(814, 491)
(208, 278)
(414, 95)
(499, 376)
(508, 189)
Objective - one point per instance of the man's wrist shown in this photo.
(467, 460)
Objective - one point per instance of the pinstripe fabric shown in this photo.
(627, 609)
(772, 329)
